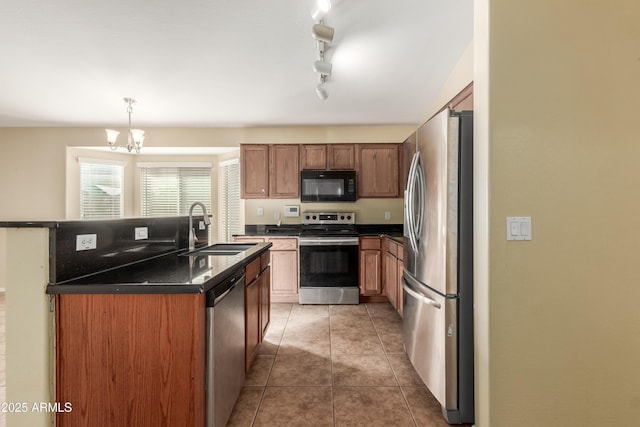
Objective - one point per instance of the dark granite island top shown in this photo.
(172, 273)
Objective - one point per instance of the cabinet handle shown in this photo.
(262, 191)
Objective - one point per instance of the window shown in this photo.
(101, 188)
(229, 199)
(171, 189)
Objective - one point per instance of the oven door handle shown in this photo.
(324, 241)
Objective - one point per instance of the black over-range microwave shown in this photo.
(327, 186)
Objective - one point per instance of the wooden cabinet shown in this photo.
(269, 171)
(393, 253)
(370, 266)
(254, 169)
(131, 360)
(284, 269)
(328, 156)
(341, 156)
(400, 269)
(313, 156)
(252, 331)
(284, 172)
(257, 305)
(284, 276)
(378, 170)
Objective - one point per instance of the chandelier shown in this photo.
(135, 137)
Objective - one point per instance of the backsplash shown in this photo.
(117, 242)
(368, 211)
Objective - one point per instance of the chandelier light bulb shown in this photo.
(321, 91)
(320, 9)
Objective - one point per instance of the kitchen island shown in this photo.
(130, 337)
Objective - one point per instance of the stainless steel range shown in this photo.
(329, 258)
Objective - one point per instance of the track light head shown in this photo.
(321, 91)
(320, 9)
(322, 67)
(322, 32)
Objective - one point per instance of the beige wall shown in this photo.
(368, 211)
(557, 139)
(33, 162)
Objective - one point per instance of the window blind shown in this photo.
(100, 190)
(170, 191)
(229, 199)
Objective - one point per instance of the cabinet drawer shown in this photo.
(248, 239)
(251, 271)
(391, 246)
(283, 244)
(367, 243)
(264, 260)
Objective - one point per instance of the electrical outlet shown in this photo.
(260, 211)
(85, 242)
(387, 215)
(141, 233)
(201, 225)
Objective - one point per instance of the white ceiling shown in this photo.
(224, 62)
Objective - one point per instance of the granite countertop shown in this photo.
(171, 273)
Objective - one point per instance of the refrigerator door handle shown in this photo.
(425, 299)
(411, 182)
(421, 192)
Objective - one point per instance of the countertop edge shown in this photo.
(159, 288)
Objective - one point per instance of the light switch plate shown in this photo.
(260, 211)
(85, 242)
(518, 228)
(141, 233)
(387, 215)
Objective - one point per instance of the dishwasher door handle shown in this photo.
(225, 293)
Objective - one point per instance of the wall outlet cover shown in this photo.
(85, 242)
(141, 233)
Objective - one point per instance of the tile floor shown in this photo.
(339, 365)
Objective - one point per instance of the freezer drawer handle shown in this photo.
(418, 296)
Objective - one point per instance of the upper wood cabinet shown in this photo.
(341, 156)
(269, 171)
(254, 168)
(328, 156)
(284, 171)
(378, 170)
(313, 156)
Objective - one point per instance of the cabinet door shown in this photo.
(265, 300)
(391, 278)
(284, 173)
(370, 283)
(313, 157)
(284, 276)
(253, 334)
(378, 170)
(254, 165)
(400, 268)
(341, 156)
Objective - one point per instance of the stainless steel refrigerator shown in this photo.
(438, 275)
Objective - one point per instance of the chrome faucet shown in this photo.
(192, 233)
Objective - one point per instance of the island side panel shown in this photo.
(131, 359)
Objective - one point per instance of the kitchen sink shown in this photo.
(222, 249)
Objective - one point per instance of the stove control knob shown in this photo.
(342, 217)
(314, 217)
(349, 217)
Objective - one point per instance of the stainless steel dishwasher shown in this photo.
(225, 348)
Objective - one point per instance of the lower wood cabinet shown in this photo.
(131, 360)
(393, 267)
(284, 277)
(370, 266)
(257, 308)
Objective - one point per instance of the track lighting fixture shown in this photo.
(320, 9)
(322, 32)
(135, 137)
(322, 67)
(323, 35)
(320, 89)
